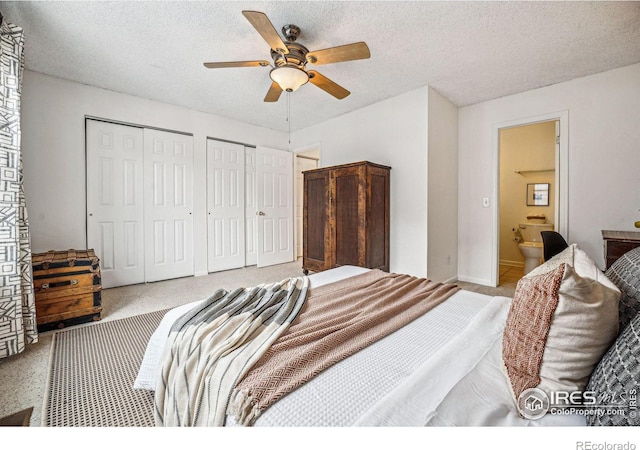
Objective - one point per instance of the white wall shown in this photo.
(53, 142)
(442, 201)
(393, 133)
(603, 160)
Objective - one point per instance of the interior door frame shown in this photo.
(561, 188)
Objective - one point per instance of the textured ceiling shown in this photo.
(468, 51)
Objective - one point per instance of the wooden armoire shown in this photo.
(346, 217)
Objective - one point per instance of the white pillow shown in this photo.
(563, 318)
(586, 267)
(584, 326)
(579, 260)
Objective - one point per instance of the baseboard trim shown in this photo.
(518, 264)
(479, 281)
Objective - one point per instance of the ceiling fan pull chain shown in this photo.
(289, 116)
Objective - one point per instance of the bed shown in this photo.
(459, 363)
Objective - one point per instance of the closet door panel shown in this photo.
(225, 205)
(168, 178)
(115, 220)
(251, 207)
(275, 206)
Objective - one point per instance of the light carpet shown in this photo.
(91, 375)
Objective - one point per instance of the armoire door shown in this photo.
(349, 212)
(168, 208)
(302, 163)
(225, 205)
(115, 218)
(317, 244)
(274, 172)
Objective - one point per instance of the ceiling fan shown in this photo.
(290, 59)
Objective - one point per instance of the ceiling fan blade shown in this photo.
(327, 85)
(274, 93)
(263, 25)
(219, 65)
(349, 52)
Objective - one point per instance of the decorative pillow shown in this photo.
(580, 261)
(559, 325)
(527, 328)
(625, 273)
(566, 256)
(616, 378)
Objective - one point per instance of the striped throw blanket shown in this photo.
(212, 346)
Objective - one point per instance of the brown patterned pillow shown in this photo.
(558, 327)
(528, 322)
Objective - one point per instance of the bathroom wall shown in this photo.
(527, 155)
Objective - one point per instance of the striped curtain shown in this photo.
(17, 300)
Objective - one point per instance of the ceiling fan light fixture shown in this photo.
(289, 78)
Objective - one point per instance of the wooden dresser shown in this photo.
(617, 243)
(346, 217)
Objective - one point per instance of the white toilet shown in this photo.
(531, 244)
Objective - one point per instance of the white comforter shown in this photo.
(461, 385)
(444, 368)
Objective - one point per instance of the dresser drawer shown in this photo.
(615, 247)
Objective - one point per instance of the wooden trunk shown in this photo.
(68, 288)
(346, 217)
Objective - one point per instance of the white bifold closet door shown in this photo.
(139, 202)
(225, 205)
(115, 213)
(274, 175)
(168, 205)
(250, 206)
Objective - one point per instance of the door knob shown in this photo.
(260, 213)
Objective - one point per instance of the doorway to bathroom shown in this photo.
(531, 182)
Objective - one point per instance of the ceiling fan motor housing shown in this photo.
(291, 32)
(296, 57)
